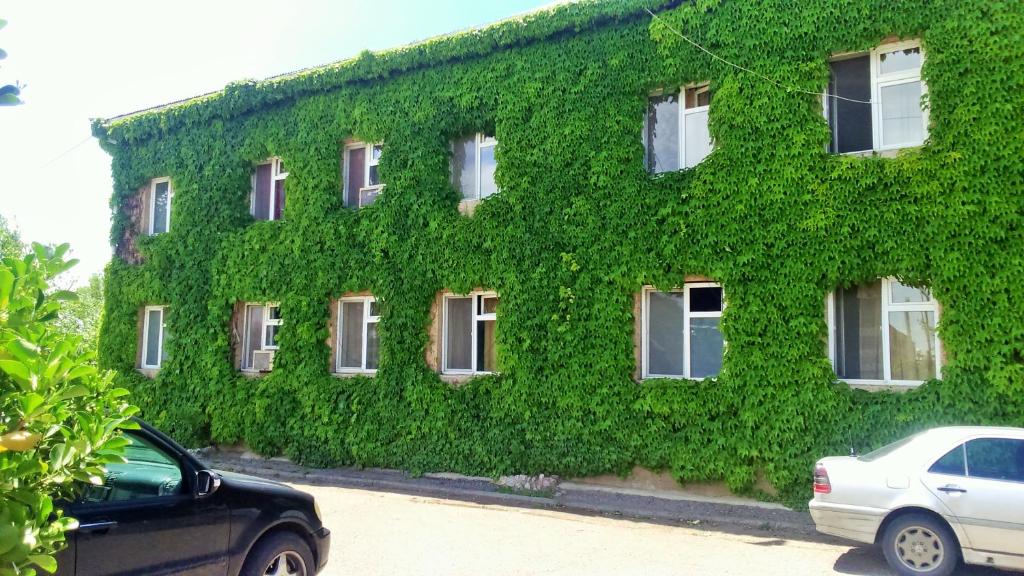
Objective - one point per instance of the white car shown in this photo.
(930, 499)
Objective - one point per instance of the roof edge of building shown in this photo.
(533, 26)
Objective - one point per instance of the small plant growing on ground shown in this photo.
(60, 419)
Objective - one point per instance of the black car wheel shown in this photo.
(280, 554)
(919, 545)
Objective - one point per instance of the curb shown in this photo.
(773, 520)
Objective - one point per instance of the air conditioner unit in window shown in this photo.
(263, 360)
(369, 194)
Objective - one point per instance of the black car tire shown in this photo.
(262, 556)
(920, 545)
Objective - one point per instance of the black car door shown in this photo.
(146, 518)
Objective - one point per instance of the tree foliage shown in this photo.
(10, 240)
(59, 417)
(576, 231)
(82, 315)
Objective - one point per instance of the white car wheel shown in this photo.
(916, 544)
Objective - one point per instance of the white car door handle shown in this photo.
(951, 489)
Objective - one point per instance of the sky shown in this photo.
(96, 59)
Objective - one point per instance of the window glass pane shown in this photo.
(459, 329)
(912, 345)
(356, 177)
(147, 473)
(698, 96)
(270, 338)
(278, 199)
(261, 193)
(154, 322)
(464, 166)
(161, 206)
(373, 177)
(280, 167)
(850, 121)
(486, 353)
(902, 118)
(489, 304)
(707, 299)
(372, 346)
(698, 138)
(374, 308)
(859, 332)
(274, 312)
(666, 336)
(662, 138)
(996, 458)
(165, 339)
(706, 347)
(488, 164)
(899, 61)
(351, 355)
(254, 333)
(887, 449)
(902, 293)
(952, 463)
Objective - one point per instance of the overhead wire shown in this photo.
(672, 29)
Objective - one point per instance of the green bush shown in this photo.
(60, 419)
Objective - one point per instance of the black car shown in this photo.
(164, 512)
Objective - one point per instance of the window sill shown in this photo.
(354, 373)
(461, 377)
(653, 377)
(468, 206)
(881, 152)
(253, 373)
(148, 372)
(882, 385)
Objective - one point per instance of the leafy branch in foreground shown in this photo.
(60, 418)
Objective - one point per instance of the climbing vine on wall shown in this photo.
(577, 229)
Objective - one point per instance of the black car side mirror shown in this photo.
(207, 482)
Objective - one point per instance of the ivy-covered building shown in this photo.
(575, 242)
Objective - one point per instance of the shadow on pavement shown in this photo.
(869, 561)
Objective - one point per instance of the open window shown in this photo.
(268, 192)
(884, 332)
(469, 344)
(362, 179)
(259, 341)
(358, 345)
(160, 195)
(681, 331)
(473, 166)
(873, 100)
(676, 131)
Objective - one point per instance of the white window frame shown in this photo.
(480, 141)
(276, 175)
(879, 81)
(476, 317)
(152, 205)
(932, 305)
(687, 315)
(160, 338)
(368, 319)
(267, 322)
(368, 161)
(700, 88)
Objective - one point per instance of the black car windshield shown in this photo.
(887, 449)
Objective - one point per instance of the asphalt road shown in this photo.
(396, 534)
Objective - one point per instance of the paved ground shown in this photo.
(399, 534)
